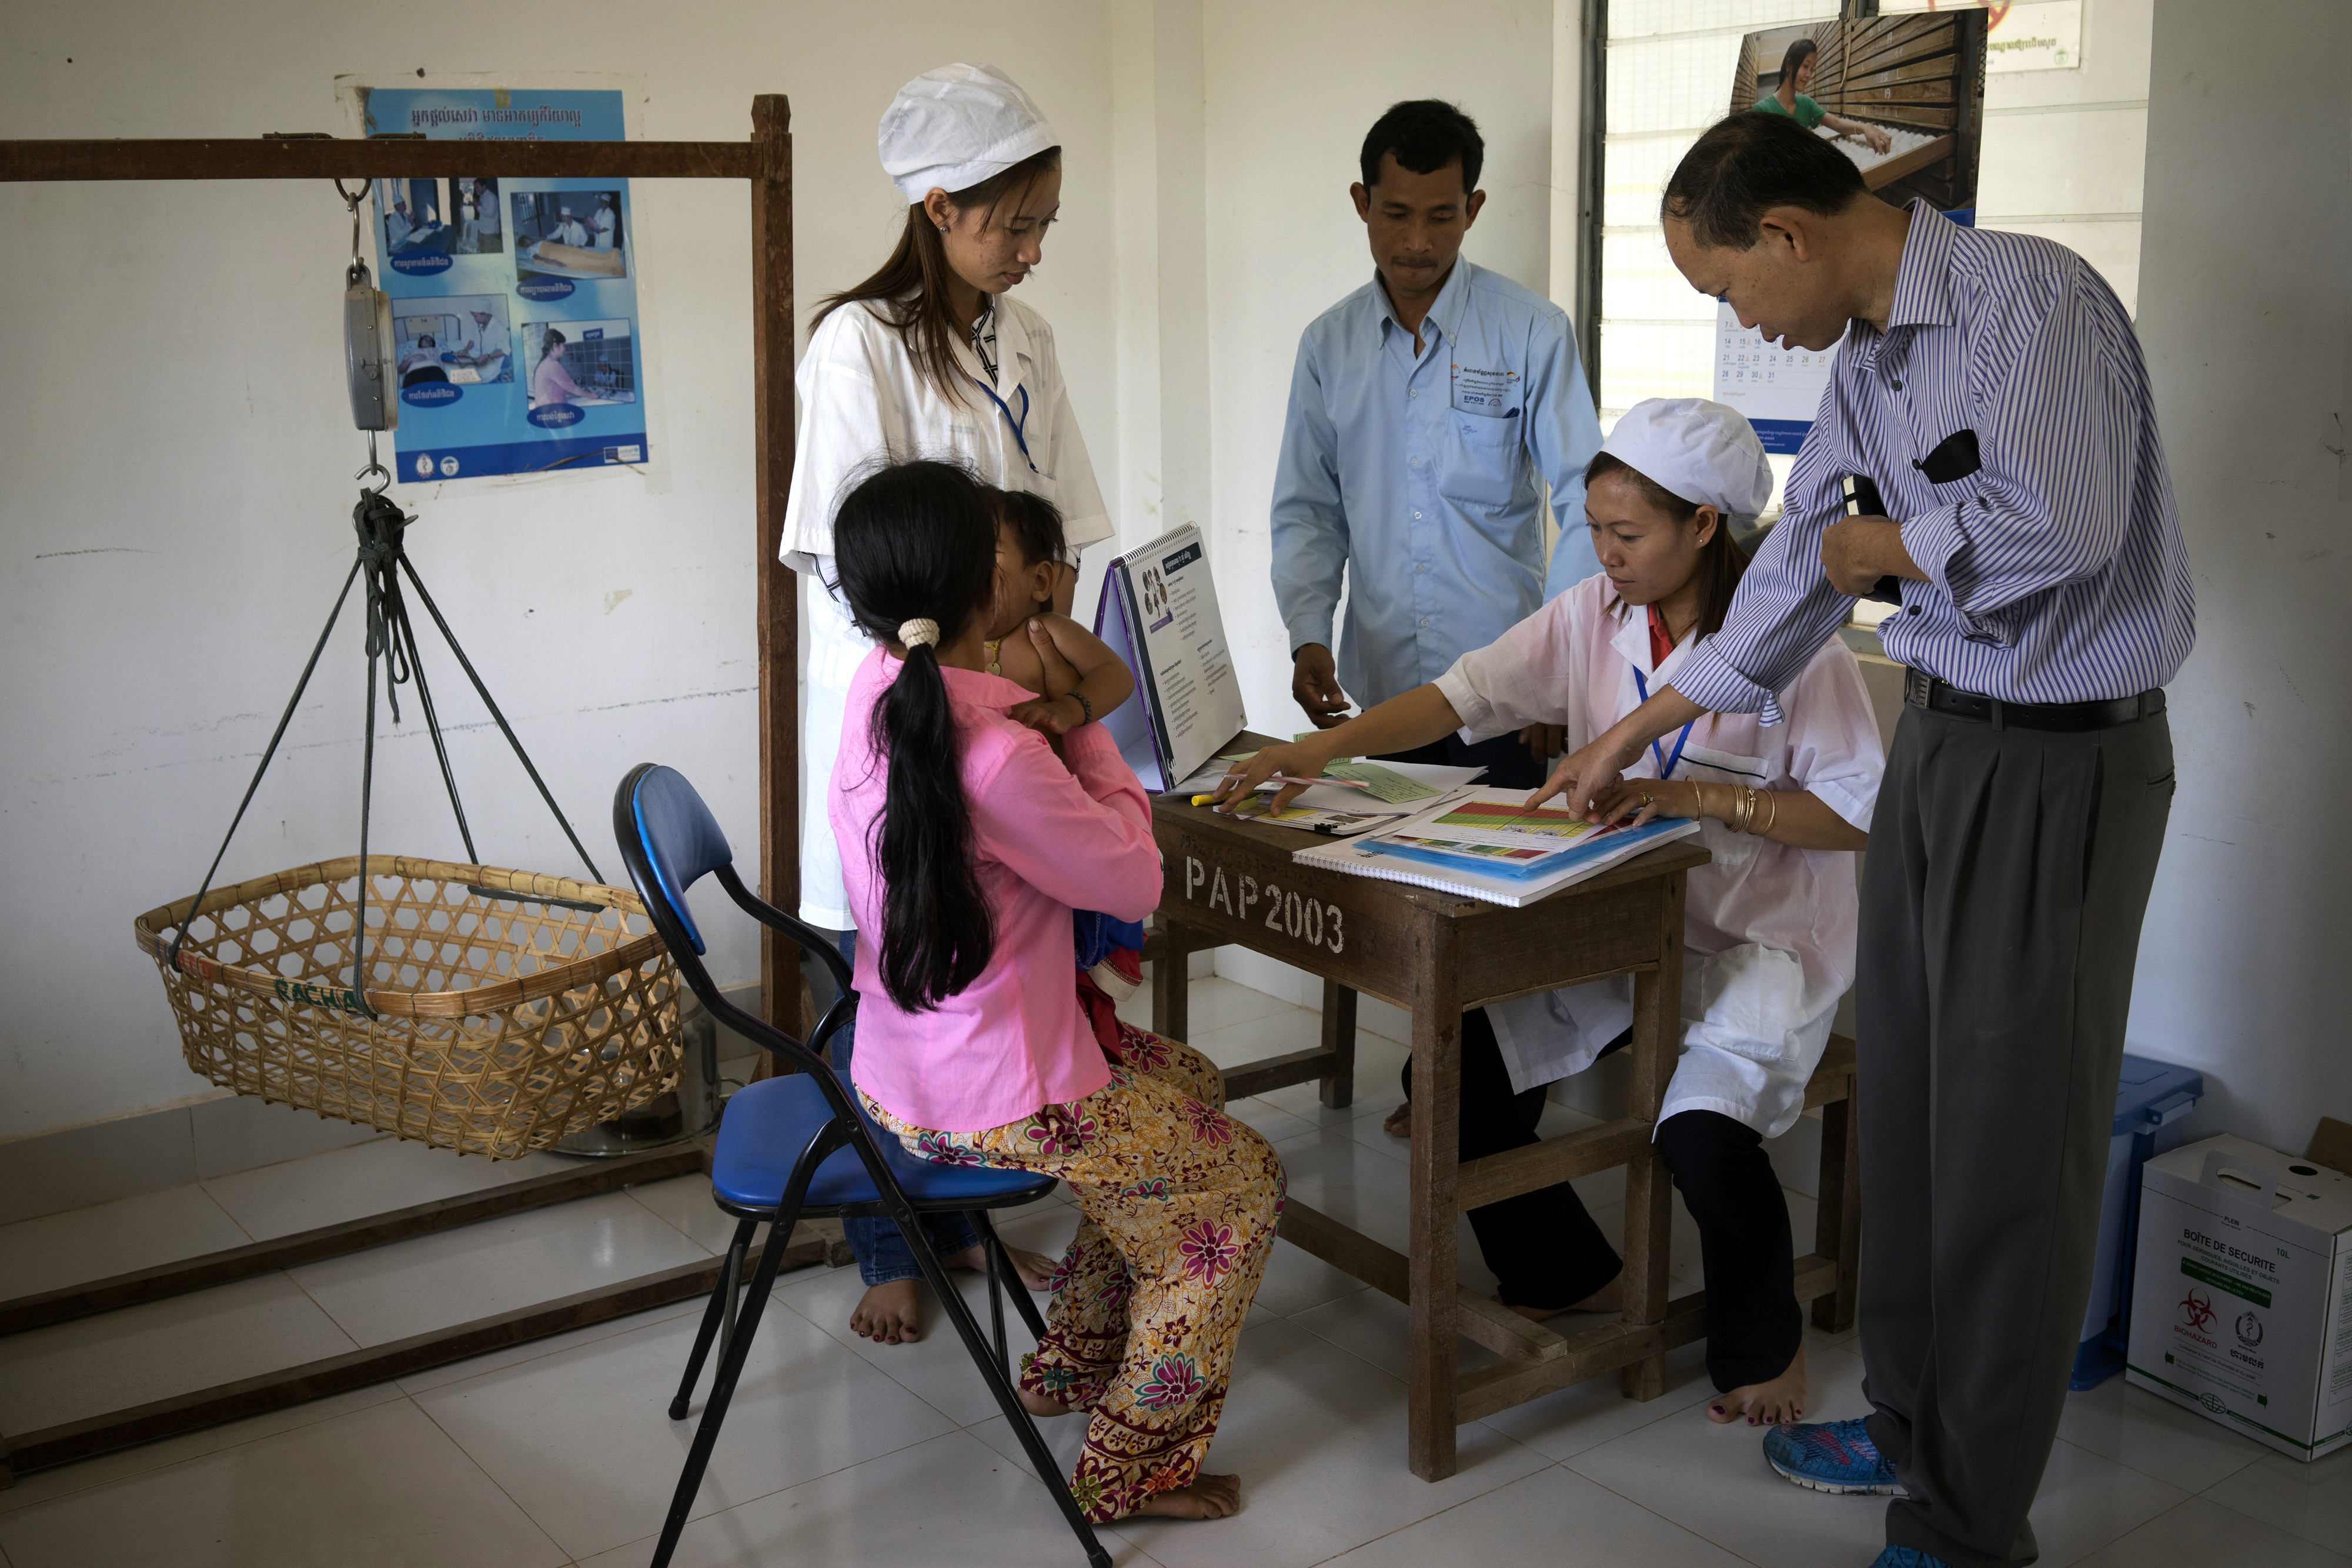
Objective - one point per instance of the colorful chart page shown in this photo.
(1511, 826)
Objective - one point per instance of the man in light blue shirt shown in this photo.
(1428, 410)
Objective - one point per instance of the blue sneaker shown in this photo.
(1832, 1457)
(1907, 1557)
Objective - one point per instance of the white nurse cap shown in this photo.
(1704, 452)
(951, 127)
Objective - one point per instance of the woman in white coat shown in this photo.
(929, 358)
(1768, 941)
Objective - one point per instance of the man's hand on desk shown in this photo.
(1857, 551)
(1315, 682)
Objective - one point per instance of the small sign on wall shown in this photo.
(2043, 37)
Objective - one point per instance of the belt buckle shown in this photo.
(1918, 686)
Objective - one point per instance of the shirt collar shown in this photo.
(1923, 280)
(1443, 311)
(1630, 640)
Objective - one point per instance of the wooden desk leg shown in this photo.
(1437, 1129)
(1340, 1039)
(1649, 1211)
(1170, 991)
(1837, 1225)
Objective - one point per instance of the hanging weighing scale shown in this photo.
(466, 1006)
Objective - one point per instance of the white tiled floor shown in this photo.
(838, 1452)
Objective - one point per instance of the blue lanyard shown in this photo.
(1666, 765)
(1019, 439)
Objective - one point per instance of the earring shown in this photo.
(941, 227)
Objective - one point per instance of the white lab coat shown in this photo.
(480, 342)
(570, 231)
(603, 228)
(862, 397)
(1769, 934)
(396, 230)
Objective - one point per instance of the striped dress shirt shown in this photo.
(2056, 571)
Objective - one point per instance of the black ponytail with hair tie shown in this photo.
(917, 541)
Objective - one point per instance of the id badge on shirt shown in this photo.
(1491, 393)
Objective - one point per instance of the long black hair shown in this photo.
(1799, 52)
(917, 541)
(1721, 560)
(909, 291)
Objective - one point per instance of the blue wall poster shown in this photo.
(514, 302)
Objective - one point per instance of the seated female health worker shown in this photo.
(965, 845)
(930, 357)
(1770, 939)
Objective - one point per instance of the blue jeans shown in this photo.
(881, 1251)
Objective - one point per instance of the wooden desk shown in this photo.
(1436, 955)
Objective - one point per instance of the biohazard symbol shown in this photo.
(2196, 1311)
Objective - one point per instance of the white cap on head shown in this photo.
(1704, 452)
(954, 127)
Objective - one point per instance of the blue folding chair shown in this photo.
(801, 1144)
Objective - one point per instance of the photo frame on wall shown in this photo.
(1902, 97)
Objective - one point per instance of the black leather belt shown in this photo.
(1922, 690)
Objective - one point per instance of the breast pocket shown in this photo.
(1482, 460)
(1037, 482)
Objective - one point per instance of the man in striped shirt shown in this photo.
(1991, 386)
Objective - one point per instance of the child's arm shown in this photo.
(1077, 663)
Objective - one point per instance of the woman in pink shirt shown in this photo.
(966, 843)
(551, 384)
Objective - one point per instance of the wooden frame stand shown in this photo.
(765, 164)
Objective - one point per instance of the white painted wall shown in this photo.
(176, 477)
(1291, 90)
(2245, 311)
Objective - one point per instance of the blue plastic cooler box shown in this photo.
(2151, 1098)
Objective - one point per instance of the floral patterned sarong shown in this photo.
(1179, 1205)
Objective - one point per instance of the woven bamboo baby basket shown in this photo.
(512, 1008)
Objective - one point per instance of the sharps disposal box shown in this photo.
(2241, 1301)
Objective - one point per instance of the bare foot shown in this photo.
(1610, 1298)
(1210, 1497)
(1037, 1405)
(1399, 1124)
(1765, 1403)
(891, 1314)
(1037, 1269)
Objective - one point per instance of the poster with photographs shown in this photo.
(1902, 97)
(514, 301)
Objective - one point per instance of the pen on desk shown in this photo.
(1280, 779)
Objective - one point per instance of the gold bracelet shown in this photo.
(1698, 802)
(1774, 822)
(1747, 808)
